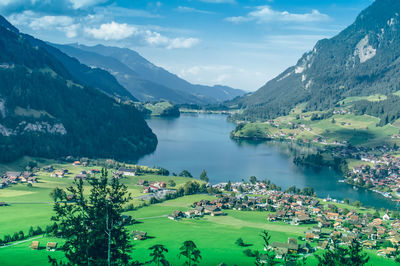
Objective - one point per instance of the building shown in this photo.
(139, 235)
(51, 246)
(127, 171)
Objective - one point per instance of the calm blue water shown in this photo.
(197, 142)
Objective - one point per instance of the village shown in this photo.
(378, 173)
(325, 220)
(322, 219)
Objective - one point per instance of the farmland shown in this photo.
(215, 236)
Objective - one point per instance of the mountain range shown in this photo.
(51, 105)
(143, 79)
(363, 59)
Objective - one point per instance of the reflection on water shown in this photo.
(197, 142)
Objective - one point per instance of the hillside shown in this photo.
(362, 60)
(145, 80)
(46, 111)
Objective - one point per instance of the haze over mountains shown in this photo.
(363, 59)
(50, 109)
(144, 80)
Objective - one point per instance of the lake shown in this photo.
(201, 141)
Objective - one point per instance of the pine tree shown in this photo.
(203, 176)
(93, 226)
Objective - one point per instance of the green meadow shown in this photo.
(215, 236)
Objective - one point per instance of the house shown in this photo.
(139, 235)
(80, 176)
(76, 163)
(59, 173)
(13, 175)
(127, 171)
(322, 244)
(127, 219)
(311, 236)
(48, 168)
(176, 215)
(388, 252)
(51, 246)
(218, 213)
(35, 245)
(208, 209)
(191, 214)
(386, 217)
(282, 249)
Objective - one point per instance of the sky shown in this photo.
(242, 44)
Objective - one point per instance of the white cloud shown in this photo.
(156, 39)
(37, 22)
(185, 9)
(47, 22)
(78, 4)
(112, 31)
(264, 14)
(116, 31)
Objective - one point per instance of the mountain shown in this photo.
(143, 89)
(46, 111)
(361, 60)
(131, 70)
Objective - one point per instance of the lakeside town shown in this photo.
(325, 220)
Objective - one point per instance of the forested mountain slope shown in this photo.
(46, 111)
(361, 60)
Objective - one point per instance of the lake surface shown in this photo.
(196, 142)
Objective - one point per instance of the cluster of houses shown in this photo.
(152, 187)
(325, 220)
(10, 178)
(201, 208)
(378, 173)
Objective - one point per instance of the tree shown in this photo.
(253, 179)
(158, 255)
(185, 173)
(203, 176)
(93, 226)
(267, 258)
(57, 194)
(228, 186)
(239, 242)
(171, 183)
(266, 237)
(339, 255)
(191, 252)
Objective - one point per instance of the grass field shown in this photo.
(215, 236)
(354, 129)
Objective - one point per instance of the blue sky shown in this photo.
(242, 44)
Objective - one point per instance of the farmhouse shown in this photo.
(176, 215)
(81, 176)
(127, 171)
(139, 235)
(51, 246)
(35, 245)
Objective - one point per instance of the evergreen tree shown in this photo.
(191, 252)
(93, 226)
(203, 176)
(158, 255)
